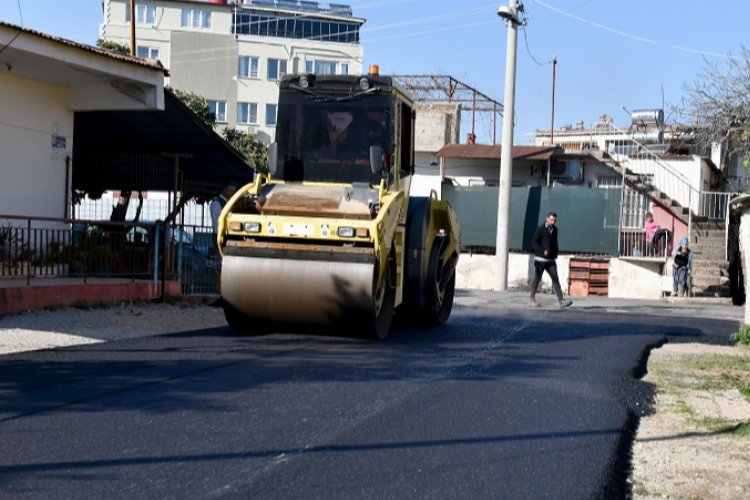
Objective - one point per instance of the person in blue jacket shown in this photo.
(545, 253)
(682, 267)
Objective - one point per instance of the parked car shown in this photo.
(192, 256)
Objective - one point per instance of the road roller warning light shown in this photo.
(327, 233)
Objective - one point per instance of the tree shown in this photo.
(717, 104)
(198, 105)
(120, 48)
(252, 149)
(246, 144)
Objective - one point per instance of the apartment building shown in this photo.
(233, 53)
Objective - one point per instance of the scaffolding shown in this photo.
(444, 88)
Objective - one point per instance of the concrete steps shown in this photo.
(710, 266)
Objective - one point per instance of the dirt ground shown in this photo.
(697, 443)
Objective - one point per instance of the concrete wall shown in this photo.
(437, 124)
(634, 279)
(480, 272)
(627, 278)
(36, 136)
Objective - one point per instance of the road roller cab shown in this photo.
(327, 233)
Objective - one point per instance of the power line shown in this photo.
(631, 36)
(526, 42)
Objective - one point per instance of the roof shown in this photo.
(493, 152)
(88, 48)
(136, 150)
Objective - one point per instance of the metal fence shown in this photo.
(190, 240)
(41, 247)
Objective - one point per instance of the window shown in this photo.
(321, 67)
(276, 68)
(246, 23)
(147, 52)
(271, 115)
(144, 14)
(219, 109)
(247, 112)
(248, 67)
(196, 18)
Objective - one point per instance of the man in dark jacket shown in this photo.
(545, 253)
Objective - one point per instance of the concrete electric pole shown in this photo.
(510, 15)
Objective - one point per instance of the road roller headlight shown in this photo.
(252, 227)
(351, 232)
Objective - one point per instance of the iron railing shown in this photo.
(44, 247)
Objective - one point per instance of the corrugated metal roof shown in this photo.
(490, 152)
(88, 48)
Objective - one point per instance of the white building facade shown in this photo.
(44, 81)
(233, 54)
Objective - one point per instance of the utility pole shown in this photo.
(510, 15)
(552, 123)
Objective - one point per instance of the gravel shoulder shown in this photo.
(67, 327)
(697, 442)
(695, 445)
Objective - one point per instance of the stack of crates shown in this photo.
(588, 276)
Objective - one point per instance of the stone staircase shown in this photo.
(708, 237)
(710, 266)
(641, 184)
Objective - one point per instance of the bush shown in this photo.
(742, 335)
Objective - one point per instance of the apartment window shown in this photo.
(147, 52)
(322, 67)
(219, 109)
(276, 68)
(196, 18)
(247, 113)
(271, 115)
(248, 67)
(246, 23)
(144, 14)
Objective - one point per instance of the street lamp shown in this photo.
(509, 14)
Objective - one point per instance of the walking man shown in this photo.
(545, 253)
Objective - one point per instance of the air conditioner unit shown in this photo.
(251, 129)
(571, 171)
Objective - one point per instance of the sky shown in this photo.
(611, 54)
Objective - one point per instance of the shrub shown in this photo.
(742, 335)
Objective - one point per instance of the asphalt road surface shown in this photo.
(506, 401)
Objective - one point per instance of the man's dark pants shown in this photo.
(551, 268)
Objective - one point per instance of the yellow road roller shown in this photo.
(327, 233)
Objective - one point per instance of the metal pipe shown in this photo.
(132, 28)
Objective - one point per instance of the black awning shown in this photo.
(142, 151)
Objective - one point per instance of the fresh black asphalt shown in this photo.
(506, 401)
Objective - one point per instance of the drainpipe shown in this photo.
(132, 27)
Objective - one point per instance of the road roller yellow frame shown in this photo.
(327, 233)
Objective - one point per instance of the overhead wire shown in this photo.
(631, 36)
(20, 14)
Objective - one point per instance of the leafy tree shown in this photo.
(717, 104)
(198, 105)
(120, 48)
(252, 149)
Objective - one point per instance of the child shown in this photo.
(681, 268)
(651, 228)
